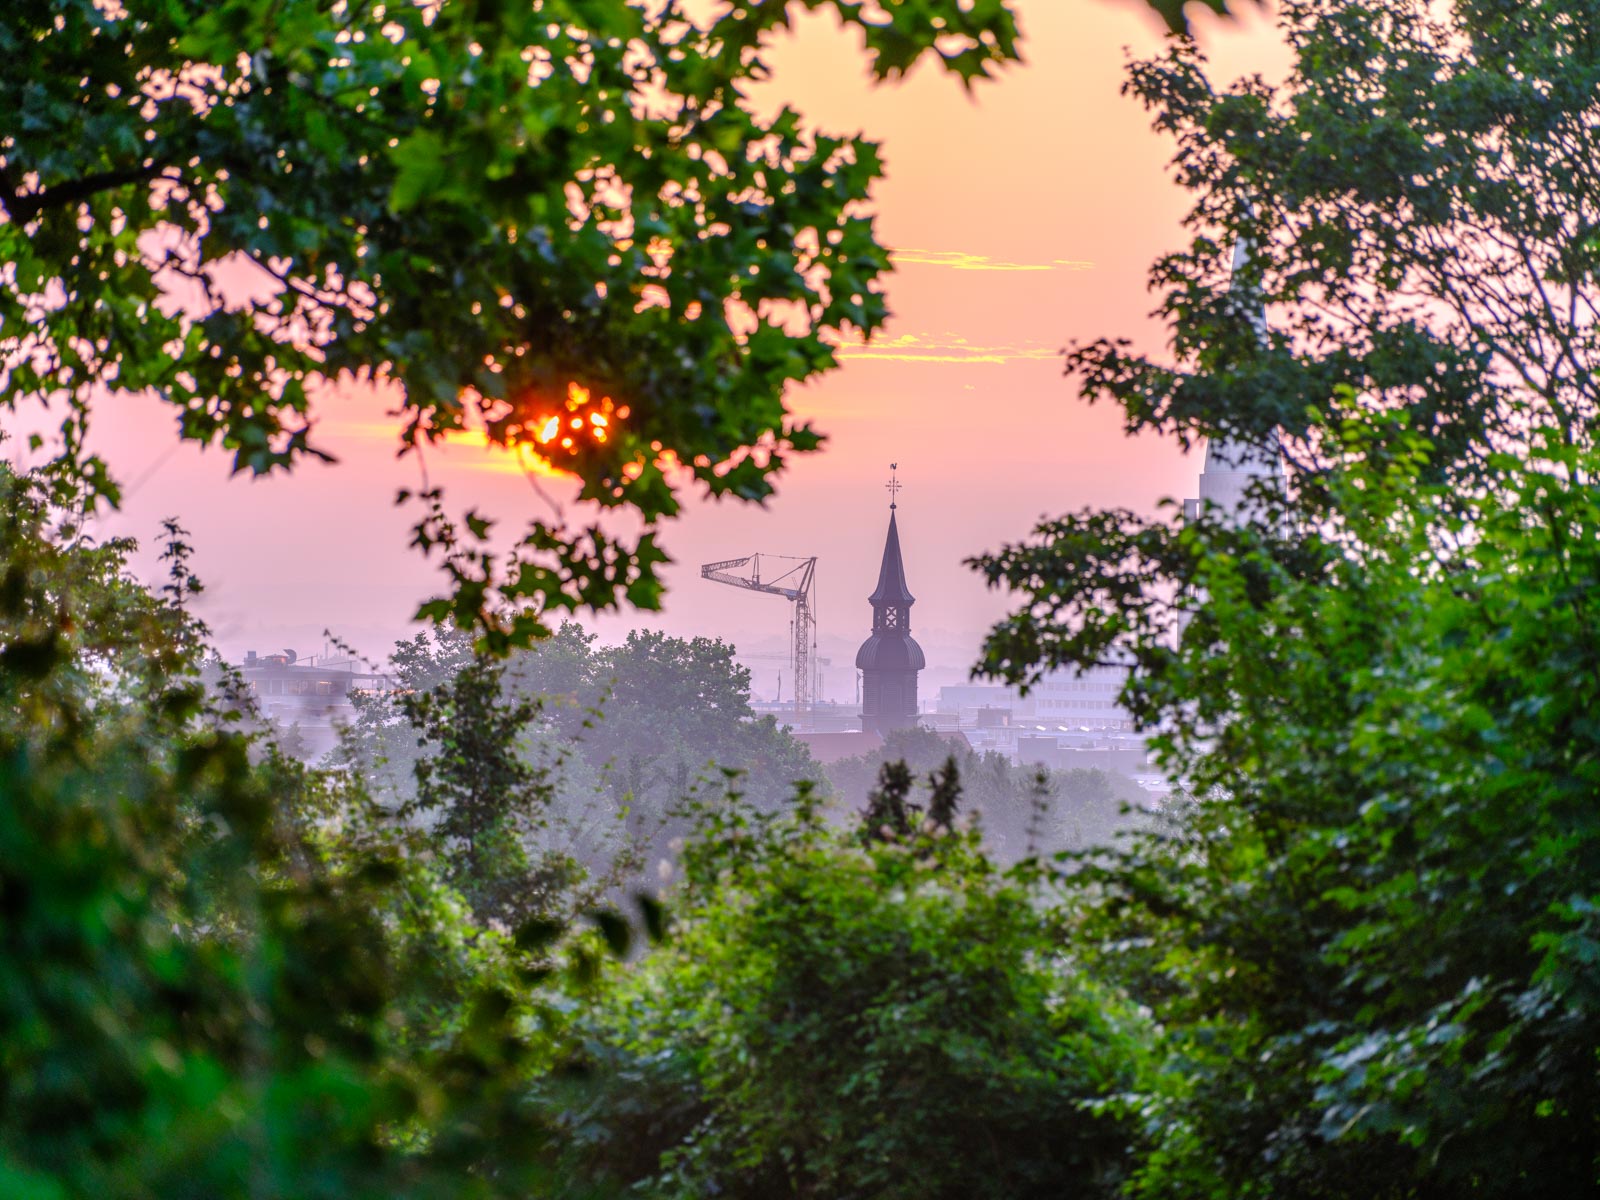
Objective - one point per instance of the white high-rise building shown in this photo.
(1086, 701)
(1232, 468)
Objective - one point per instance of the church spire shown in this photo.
(892, 590)
(890, 658)
(891, 600)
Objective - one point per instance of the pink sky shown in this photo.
(1026, 218)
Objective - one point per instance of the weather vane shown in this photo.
(894, 485)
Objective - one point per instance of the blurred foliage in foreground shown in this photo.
(200, 993)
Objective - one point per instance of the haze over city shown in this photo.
(1024, 216)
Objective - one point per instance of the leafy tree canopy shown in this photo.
(1362, 937)
(1417, 202)
(663, 715)
(579, 748)
(1368, 940)
(565, 222)
(843, 1016)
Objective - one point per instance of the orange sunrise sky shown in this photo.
(1024, 217)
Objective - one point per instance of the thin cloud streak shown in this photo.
(960, 260)
(942, 348)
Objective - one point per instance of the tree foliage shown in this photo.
(1023, 810)
(571, 756)
(484, 794)
(844, 1016)
(1367, 937)
(1417, 201)
(661, 717)
(564, 223)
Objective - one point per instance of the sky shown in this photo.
(1023, 218)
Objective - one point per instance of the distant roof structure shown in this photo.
(829, 746)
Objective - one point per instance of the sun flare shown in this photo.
(541, 441)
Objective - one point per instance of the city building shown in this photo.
(1231, 469)
(307, 700)
(1086, 701)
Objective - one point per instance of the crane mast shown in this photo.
(797, 584)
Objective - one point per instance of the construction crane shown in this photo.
(797, 584)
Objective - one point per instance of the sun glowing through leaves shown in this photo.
(577, 436)
(582, 420)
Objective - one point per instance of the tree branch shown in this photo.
(24, 207)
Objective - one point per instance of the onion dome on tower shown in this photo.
(890, 658)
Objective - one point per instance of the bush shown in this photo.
(837, 1016)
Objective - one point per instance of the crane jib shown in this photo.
(803, 576)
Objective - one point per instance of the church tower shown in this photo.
(890, 659)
